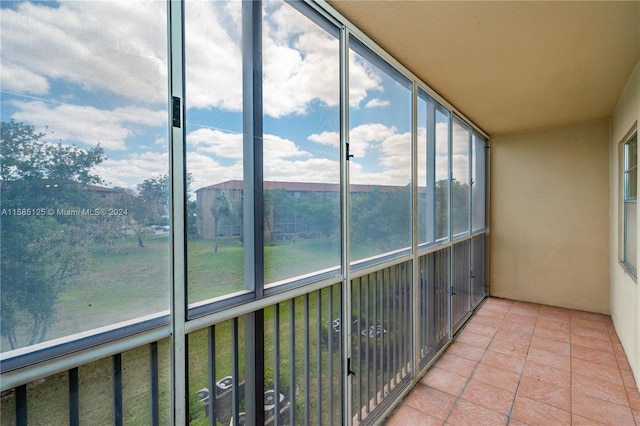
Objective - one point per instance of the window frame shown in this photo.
(627, 198)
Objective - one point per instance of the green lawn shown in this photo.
(127, 282)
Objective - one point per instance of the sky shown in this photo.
(90, 74)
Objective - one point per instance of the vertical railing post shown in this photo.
(74, 398)
(117, 389)
(21, 405)
(213, 391)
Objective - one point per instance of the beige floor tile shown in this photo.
(456, 364)
(406, 415)
(511, 363)
(536, 413)
(600, 410)
(497, 377)
(430, 401)
(545, 392)
(445, 381)
(520, 363)
(467, 413)
(491, 397)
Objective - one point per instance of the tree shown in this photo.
(320, 213)
(149, 205)
(381, 219)
(44, 238)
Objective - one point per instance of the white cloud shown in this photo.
(216, 142)
(376, 103)
(230, 145)
(86, 124)
(101, 46)
(134, 169)
(213, 55)
(396, 152)
(319, 170)
(21, 80)
(275, 147)
(301, 63)
(206, 171)
(362, 78)
(326, 138)
(97, 45)
(367, 136)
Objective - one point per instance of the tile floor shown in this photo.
(521, 363)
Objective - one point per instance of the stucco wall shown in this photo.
(625, 291)
(549, 239)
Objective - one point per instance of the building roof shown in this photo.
(303, 187)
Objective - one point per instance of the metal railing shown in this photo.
(304, 355)
(433, 307)
(381, 330)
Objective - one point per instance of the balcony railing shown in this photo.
(309, 349)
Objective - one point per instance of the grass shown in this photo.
(127, 282)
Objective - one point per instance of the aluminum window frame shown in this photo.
(184, 319)
(628, 199)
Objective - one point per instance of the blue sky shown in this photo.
(91, 74)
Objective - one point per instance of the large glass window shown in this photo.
(214, 141)
(84, 164)
(630, 249)
(380, 142)
(478, 187)
(460, 178)
(443, 123)
(425, 169)
(90, 264)
(433, 170)
(288, 123)
(301, 162)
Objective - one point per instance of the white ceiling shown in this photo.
(511, 65)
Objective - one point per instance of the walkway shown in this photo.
(521, 363)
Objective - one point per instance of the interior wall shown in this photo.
(549, 240)
(625, 291)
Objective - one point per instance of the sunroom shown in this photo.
(274, 212)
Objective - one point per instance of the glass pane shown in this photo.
(479, 187)
(460, 178)
(425, 209)
(442, 174)
(214, 140)
(632, 169)
(84, 225)
(301, 143)
(433, 171)
(380, 142)
(631, 235)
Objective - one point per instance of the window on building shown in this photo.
(630, 224)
